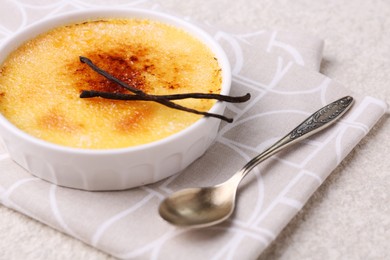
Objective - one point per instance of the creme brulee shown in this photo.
(41, 81)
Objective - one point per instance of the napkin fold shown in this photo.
(279, 69)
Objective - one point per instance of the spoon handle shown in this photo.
(313, 124)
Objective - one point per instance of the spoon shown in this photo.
(207, 206)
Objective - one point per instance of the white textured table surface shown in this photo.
(349, 216)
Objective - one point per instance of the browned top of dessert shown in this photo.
(41, 81)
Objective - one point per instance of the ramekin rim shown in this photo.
(59, 20)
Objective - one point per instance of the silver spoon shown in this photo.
(202, 207)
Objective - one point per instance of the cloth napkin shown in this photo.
(279, 69)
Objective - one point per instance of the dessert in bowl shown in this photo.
(98, 143)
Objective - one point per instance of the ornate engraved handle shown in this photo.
(322, 117)
(313, 124)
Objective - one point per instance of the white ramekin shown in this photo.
(113, 169)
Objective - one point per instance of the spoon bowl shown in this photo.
(202, 207)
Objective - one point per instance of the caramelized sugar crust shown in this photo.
(41, 81)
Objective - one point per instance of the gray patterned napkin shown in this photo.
(279, 70)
